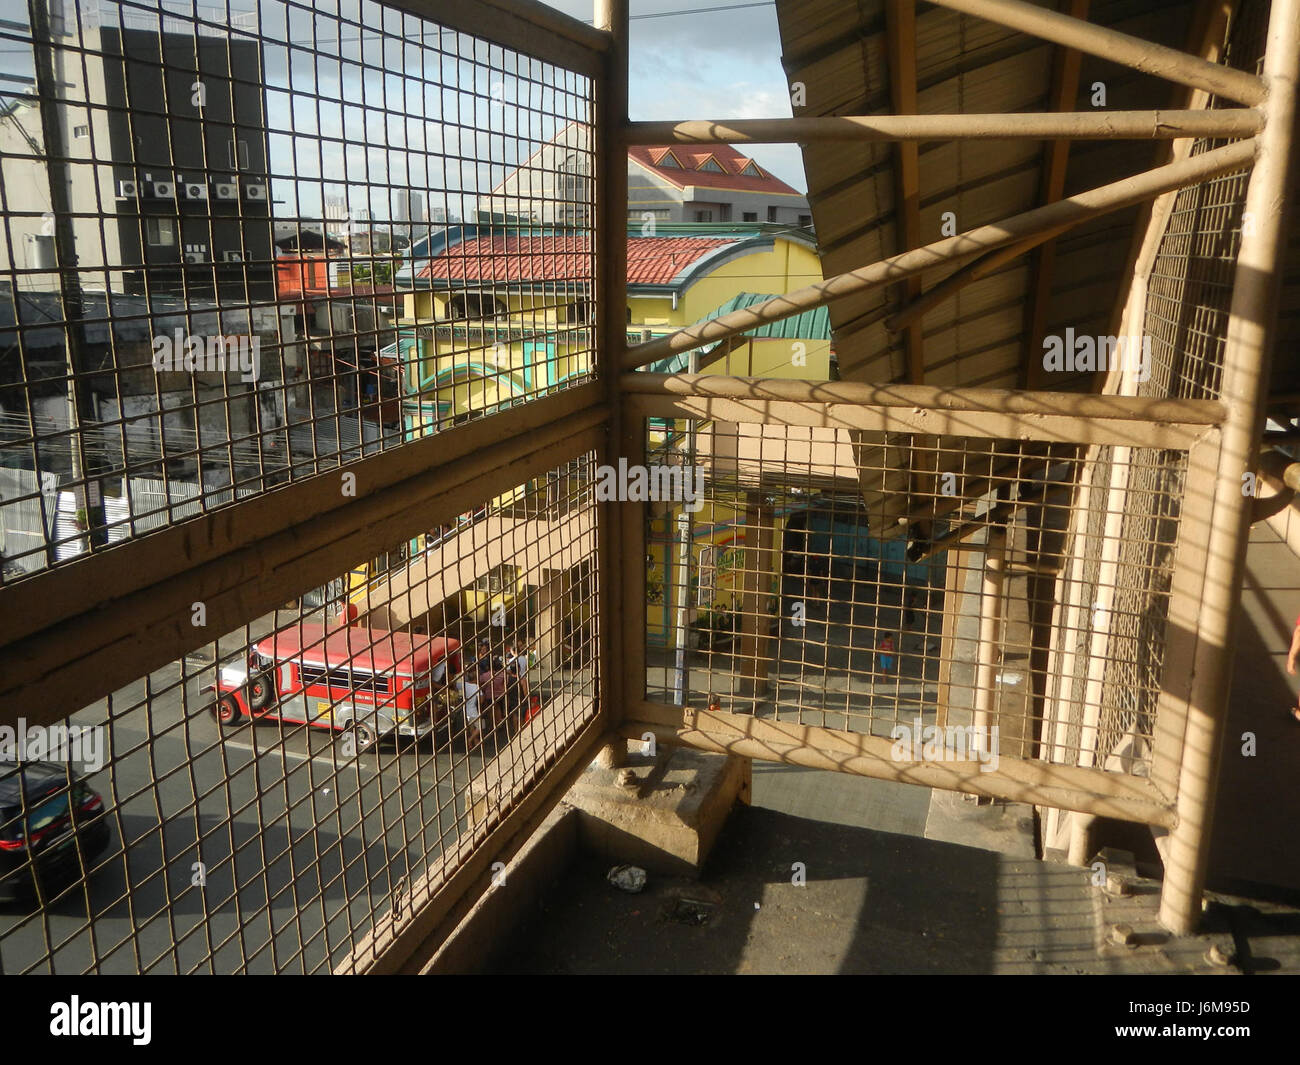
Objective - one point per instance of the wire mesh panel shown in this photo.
(1189, 287)
(242, 244)
(257, 805)
(772, 589)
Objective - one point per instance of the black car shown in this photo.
(63, 816)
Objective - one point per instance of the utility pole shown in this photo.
(81, 401)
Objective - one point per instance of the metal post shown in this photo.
(81, 401)
(990, 641)
(1074, 125)
(680, 627)
(613, 624)
(1251, 331)
(1115, 47)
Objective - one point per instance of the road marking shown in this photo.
(284, 753)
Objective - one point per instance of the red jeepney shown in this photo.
(370, 683)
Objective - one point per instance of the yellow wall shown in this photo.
(775, 357)
(719, 523)
(786, 267)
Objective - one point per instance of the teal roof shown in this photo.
(810, 325)
(677, 362)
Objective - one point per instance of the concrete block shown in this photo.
(662, 814)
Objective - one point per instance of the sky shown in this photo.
(721, 64)
(697, 64)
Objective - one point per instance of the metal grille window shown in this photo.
(232, 829)
(278, 239)
(243, 298)
(785, 590)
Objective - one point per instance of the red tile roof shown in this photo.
(650, 260)
(691, 156)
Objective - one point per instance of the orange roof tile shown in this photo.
(505, 259)
(691, 156)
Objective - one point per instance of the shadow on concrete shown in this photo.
(1252, 850)
(872, 902)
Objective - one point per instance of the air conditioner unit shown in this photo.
(196, 253)
(254, 192)
(232, 257)
(161, 190)
(225, 190)
(194, 190)
(128, 190)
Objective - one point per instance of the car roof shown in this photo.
(374, 650)
(37, 777)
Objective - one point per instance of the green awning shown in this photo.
(808, 325)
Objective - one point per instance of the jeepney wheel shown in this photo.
(260, 691)
(364, 735)
(226, 712)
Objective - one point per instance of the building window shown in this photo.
(40, 251)
(81, 132)
(750, 170)
(669, 160)
(238, 153)
(724, 213)
(572, 190)
(805, 220)
(704, 216)
(751, 216)
(475, 306)
(160, 232)
(771, 214)
(711, 165)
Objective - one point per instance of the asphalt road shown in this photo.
(298, 843)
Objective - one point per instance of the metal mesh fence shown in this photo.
(256, 806)
(772, 590)
(242, 244)
(1189, 288)
(1132, 507)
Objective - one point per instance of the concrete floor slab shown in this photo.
(871, 902)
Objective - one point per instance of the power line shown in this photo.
(704, 10)
(698, 10)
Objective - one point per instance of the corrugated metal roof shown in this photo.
(841, 54)
(963, 64)
(811, 325)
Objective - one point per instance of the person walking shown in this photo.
(473, 726)
(885, 653)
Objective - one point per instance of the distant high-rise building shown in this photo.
(410, 211)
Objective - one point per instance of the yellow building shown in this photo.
(491, 313)
(491, 318)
